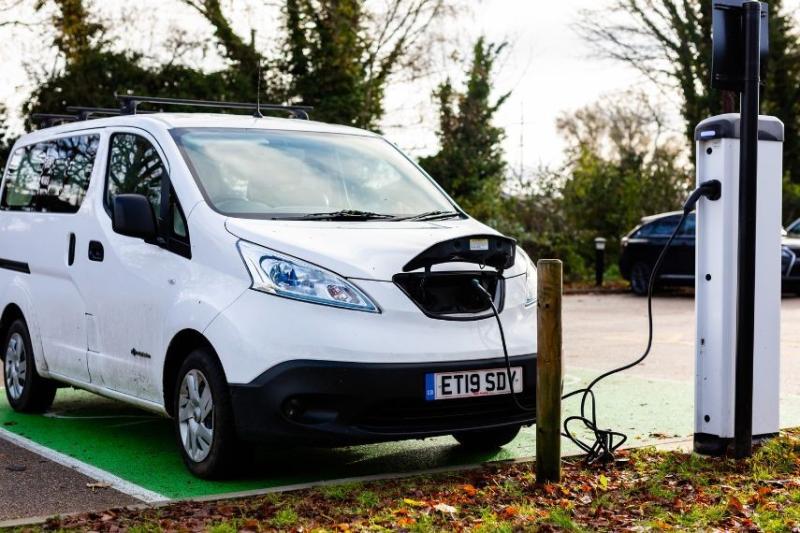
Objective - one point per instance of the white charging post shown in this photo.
(738, 275)
(718, 144)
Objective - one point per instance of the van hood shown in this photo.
(371, 250)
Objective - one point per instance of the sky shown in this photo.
(547, 66)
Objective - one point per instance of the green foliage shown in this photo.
(670, 41)
(470, 164)
(285, 518)
(5, 141)
(92, 73)
(326, 62)
(619, 169)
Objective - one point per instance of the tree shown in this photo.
(5, 141)
(92, 73)
(620, 168)
(670, 41)
(337, 55)
(470, 164)
(325, 62)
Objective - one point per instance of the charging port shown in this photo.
(451, 295)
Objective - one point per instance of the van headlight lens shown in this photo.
(531, 290)
(289, 277)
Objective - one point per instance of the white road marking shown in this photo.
(115, 482)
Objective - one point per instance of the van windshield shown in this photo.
(255, 173)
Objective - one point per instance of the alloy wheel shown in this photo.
(196, 415)
(16, 367)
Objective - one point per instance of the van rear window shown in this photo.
(51, 176)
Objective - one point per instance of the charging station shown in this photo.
(718, 146)
(738, 273)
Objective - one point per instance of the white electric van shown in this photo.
(258, 280)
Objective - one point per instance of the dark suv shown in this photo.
(640, 249)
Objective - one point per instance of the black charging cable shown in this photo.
(509, 373)
(608, 441)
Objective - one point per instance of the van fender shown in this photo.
(17, 293)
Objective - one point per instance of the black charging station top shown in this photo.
(729, 126)
(490, 250)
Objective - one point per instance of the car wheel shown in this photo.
(487, 439)
(26, 390)
(203, 417)
(640, 278)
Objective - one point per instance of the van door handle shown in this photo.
(71, 250)
(96, 251)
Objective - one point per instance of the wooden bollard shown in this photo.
(548, 372)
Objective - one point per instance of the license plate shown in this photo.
(471, 383)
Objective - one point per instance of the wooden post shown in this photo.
(548, 372)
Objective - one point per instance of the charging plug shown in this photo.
(711, 189)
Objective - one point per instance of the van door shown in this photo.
(43, 192)
(131, 284)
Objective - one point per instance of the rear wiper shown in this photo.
(433, 215)
(346, 214)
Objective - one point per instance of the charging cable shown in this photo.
(509, 373)
(607, 441)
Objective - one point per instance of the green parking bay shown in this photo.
(140, 448)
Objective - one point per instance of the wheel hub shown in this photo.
(16, 367)
(196, 415)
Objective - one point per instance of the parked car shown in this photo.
(641, 246)
(258, 280)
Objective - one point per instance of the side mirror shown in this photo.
(134, 217)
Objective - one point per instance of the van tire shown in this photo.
(487, 439)
(29, 392)
(218, 461)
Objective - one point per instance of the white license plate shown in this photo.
(471, 383)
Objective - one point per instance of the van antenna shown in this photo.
(258, 93)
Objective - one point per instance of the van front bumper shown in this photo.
(333, 403)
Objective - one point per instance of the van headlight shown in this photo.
(289, 277)
(531, 287)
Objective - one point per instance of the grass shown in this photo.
(644, 490)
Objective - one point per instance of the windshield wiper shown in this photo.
(347, 214)
(433, 215)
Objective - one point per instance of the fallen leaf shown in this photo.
(414, 503)
(97, 485)
(735, 506)
(444, 508)
(469, 490)
(510, 511)
(603, 481)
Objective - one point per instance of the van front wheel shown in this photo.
(487, 439)
(26, 390)
(203, 417)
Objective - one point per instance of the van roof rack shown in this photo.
(130, 104)
(46, 120)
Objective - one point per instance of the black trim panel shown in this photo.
(16, 266)
(332, 403)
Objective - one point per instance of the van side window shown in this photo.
(134, 167)
(50, 177)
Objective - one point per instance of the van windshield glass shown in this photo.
(256, 173)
